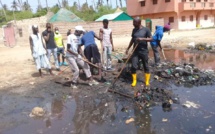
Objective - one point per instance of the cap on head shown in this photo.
(34, 26)
(167, 27)
(79, 28)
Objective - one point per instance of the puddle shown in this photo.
(200, 59)
(92, 112)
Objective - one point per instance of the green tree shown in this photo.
(55, 8)
(14, 5)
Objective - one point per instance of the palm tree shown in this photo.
(47, 5)
(39, 7)
(120, 1)
(3, 7)
(107, 2)
(26, 6)
(14, 5)
(65, 3)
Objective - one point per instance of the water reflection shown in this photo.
(202, 60)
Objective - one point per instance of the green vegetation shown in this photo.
(85, 12)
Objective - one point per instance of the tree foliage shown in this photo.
(86, 12)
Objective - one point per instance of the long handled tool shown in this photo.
(124, 66)
(163, 54)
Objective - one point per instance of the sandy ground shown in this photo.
(17, 66)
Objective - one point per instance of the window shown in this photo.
(155, 2)
(183, 18)
(205, 17)
(167, 0)
(191, 0)
(183, 0)
(171, 19)
(203, 4)
(191, 17)
(142, 3)
(198, 0)
(211, 4)
(192, 4)
(205, 0)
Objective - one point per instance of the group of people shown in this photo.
(77, 58)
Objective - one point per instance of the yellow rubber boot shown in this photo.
(134, 78)
(147, 79)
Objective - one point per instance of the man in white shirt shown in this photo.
(107, 44)
(74, 58)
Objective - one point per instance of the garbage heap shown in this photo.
(184, 74)
(201, 47)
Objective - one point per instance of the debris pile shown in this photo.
(186, 74)
(153, 96)
(201, 46)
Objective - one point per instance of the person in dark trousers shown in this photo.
(91, 50)
(51, 46)
(156, 42)
(140, 36)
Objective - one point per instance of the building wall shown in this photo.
(187, 24)
(176, 9)
(210, 20)
(135, 9)
(165, 17)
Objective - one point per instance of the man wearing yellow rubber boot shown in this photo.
(140, 36)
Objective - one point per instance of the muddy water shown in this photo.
(200, 59)
(91, 111)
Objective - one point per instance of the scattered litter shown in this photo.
(106, 104)
(129, 120)
(164, 120)
(190, 104)
(37, 112)
(32, 83)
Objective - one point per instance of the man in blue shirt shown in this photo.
(155, 43)
(90, 48)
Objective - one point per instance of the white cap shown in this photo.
(79, 28)
(35, 26)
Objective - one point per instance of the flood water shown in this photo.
(91, 112)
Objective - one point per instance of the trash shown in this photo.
(129, 120)
(190, 104)
(156, 77)
(32, 83)
(37, 112)
(106, 104)
(164, 120)
(191, 45)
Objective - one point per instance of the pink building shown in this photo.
(182, 14)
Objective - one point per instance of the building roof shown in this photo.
(118, 16)
(64, 15)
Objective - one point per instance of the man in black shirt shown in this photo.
(140, 36)
(51, 46)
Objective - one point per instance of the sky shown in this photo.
(34, 3)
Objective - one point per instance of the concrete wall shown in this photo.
(119, 28)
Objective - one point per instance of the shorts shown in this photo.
(60, 50)
(92, 51)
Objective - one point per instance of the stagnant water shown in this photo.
(84, 113)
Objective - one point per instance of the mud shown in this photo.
(93, 110)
